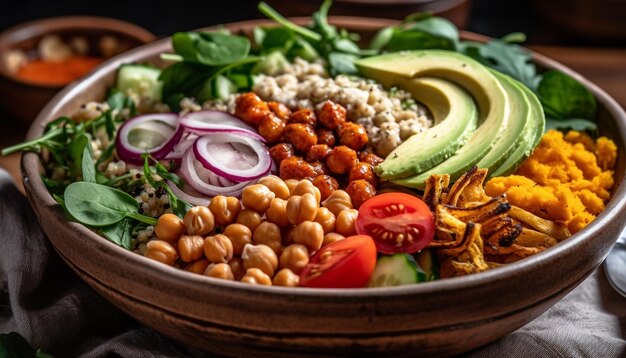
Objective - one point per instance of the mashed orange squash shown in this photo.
(568, 178)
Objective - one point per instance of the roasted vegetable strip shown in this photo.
(435, 186)
(557, 230)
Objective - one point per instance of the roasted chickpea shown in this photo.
(326, 185)
(251, 108)
(302, 208)
(249, 218)
(257, 197)
(296, 168)
(306, 186)
(276, 185)
(326, 219)
(370, 158)
(199, 220)
(239, 235)
(271, 128)
(341, 160)
(281, 151)
(277, 213)
(294, 257)
(332, 237)
(309, 234)
(261, 257)
(255, 276)
(169, 228)
(318, 152)
(318, 169)
(218, 248)
(220, 270)
(161, 251)
(236, 266)
(291, 183)
(286, 278)
(225, 209)
(283, 112)
(300, 135)
(268, 234)
(190, 247)
(344, 224)
(304, 116)
(352, 135)
(198, 266)
(365, 171)
(332, 115)
(338, 201)
(360, 190)
(326, 136)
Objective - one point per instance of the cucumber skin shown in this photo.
(411, 273)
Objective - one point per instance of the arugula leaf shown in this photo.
(576, 124)
(564, 97)
(210, 48)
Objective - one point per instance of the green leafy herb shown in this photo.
(576, 124)
(120, 233)
(564, 97)
(88, 166)
(210, 48)
(274, 15)
(178, 206)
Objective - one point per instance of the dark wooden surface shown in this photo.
(604, 67)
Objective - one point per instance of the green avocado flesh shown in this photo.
(455, 115)
(489, 94)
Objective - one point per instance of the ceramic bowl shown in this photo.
(438, 318)
(23, 100)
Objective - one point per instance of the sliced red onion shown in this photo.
(218, 154)
(181, 147)
(189, 173)
(155, 133)
(193, 200)
(203, 122)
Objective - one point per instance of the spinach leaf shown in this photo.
(564, 97)
(120, 233)
(277, 38)
(418, 31)
(210, 48)
(343, 63)
(577, 124)
(88, 166)
(182, 77)
(274, 15)
(382, 38)
(76, 149)
(99, 205)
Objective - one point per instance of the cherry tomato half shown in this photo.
(347, 263)
(398, 222)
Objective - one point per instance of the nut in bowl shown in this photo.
(220, 182)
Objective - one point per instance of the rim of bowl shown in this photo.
(617, 203)
(52, 25)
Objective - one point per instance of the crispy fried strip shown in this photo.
(435, 185)
(471, 230)
(458, 186)
(557, 230)
(494, 207)
(532, 238)
(490, 226)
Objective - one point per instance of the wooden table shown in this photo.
(604, 67)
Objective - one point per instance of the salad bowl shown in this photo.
(439, 318)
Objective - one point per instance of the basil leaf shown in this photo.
(210, 48)
(120, 233)
(98, 205)
(564, 97)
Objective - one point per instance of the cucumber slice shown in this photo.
(142, 80)
(223, 87)
(427, 261)
(396, 270)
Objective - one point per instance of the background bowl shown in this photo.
(23, 100)
(435, 318)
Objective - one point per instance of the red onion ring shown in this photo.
(131, 153)
(209, 121)
(189, 173)
(193, 200)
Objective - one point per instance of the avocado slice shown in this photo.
(488, 93)
(455, 117)
(533, 133)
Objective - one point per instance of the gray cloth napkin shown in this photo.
(54, 310)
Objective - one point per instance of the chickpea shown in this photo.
(326, 136)
(271, 128)
(309, 234)
(304, 116)
(190, 247)
(306, 186)
(365, 171)
(225, 209)
(294, 257)
(268, 234)
(332, 115)
(360, 191)
(344, 224)
(249, 218)
(352, 135)
(277, 213)
(286, 278)
(276, 185)
(302, 208)
(236, 266)
(239, 236)
(332, 237)
(220, 270)
(251, 108)
(288, 235)
(318, 168)
(281, 151)
(282, 111)
(257, 197)
(341, 159)
(318, 152)
(302, 136)
(255, 276)
(218, 248)
(169, 228)
(161, 251)
(291, 183)
(198, 266)
(261, 257)
(325, 218)
(296, 168)
(370, 158)
(199, 220)
(326, 185)
(338, 201)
